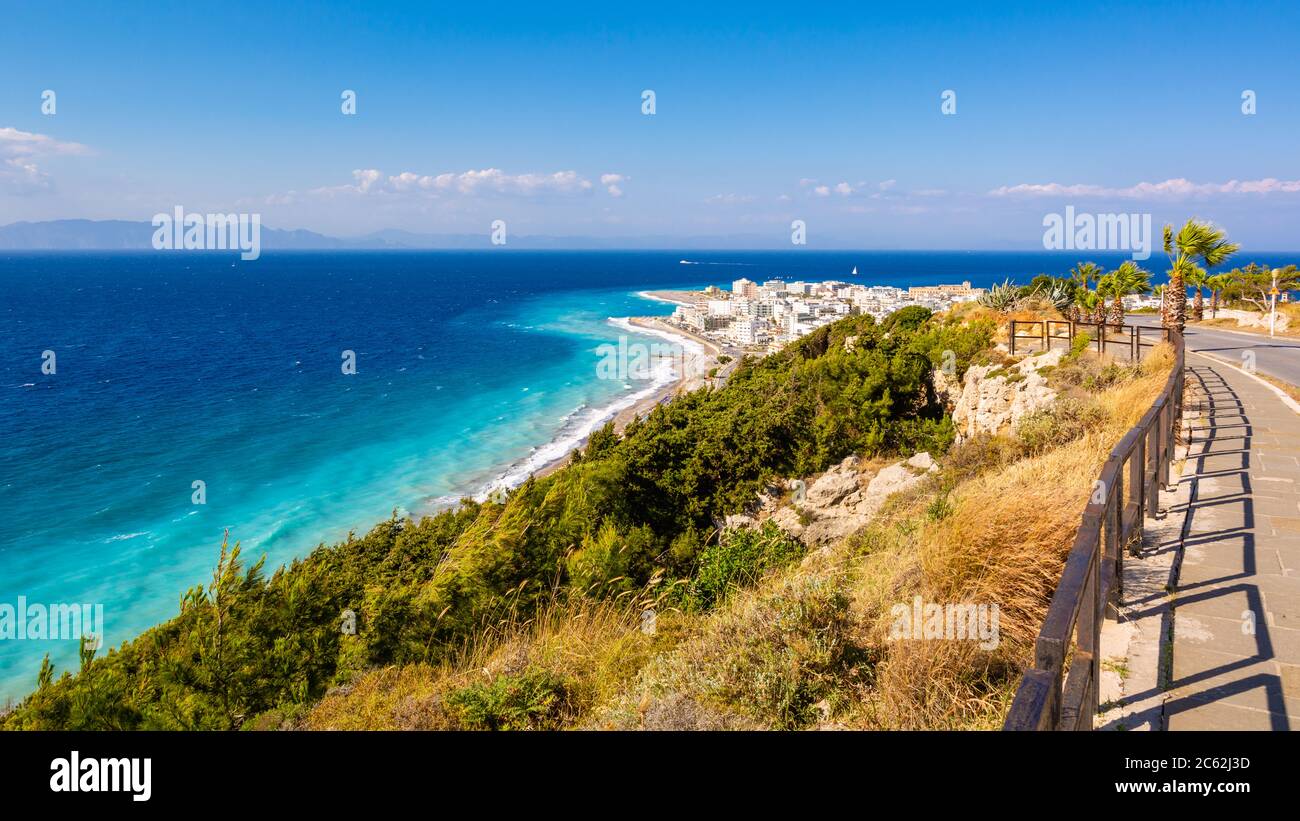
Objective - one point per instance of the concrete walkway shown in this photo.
(1277, 357)
(1234, 661)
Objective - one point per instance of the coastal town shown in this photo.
(761, 317)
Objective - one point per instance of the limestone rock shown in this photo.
(994, 399)
(946, 388)
(1247, 319)
(787, 518)
(834, 485)
(844, 500)
(923, 461)
(736, 520)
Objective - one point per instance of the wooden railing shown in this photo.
(1131, 339)
(1060, 691)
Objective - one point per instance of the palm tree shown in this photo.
(1091, 305)
(1196, 278)
(1217, 285)
(1127, 279)
(1106, 287)
(1194, 241)
(1085, 272)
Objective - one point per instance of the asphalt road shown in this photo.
(1278, 357)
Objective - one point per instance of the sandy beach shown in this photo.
(687, 298)
(695, 357)
(698, 355)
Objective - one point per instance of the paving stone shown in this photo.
(1236, 604)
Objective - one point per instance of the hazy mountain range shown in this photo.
(125, 235)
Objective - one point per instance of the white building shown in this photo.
(747, 332)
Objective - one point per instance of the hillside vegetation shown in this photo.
(562, 564)
(808, 644)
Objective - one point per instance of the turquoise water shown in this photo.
(236, 381)
(472, 368)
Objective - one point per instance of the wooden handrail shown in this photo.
(1045, 331)
(1052, 696)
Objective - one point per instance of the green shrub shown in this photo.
(629, 508)
(535, 699)
(979, 454)
(790, 656)
(1066, 420)
(910, 318)
(740, 557)
(1078, 345)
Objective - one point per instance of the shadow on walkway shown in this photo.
(1220, 673)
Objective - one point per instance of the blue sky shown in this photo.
(468, 113)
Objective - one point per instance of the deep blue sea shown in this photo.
(179, 367)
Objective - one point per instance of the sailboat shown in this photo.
(855, 270)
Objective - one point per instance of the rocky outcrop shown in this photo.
(1249, 319)
(993, 398)
(844, 499)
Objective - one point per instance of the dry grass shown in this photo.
(1003, 543)
(593, 647)
(970, 312)
(776, 657)
(810, 645)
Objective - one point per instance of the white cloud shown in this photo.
(729, 199)
(488, 181)
(1179, 188)
(613, 183)
(844, 188)
(19, 153)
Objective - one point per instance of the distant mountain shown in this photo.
(124, 235)
(396, 238)
(68, 235)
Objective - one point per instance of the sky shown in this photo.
(763, 114)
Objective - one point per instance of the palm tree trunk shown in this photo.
(1214, 304)
(1198, 306)
(1176, 295)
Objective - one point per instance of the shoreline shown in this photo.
(698, 354)
(685, 378)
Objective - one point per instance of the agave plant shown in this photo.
(1059, 294)
(1001, 298)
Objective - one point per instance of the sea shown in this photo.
(152, 401)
